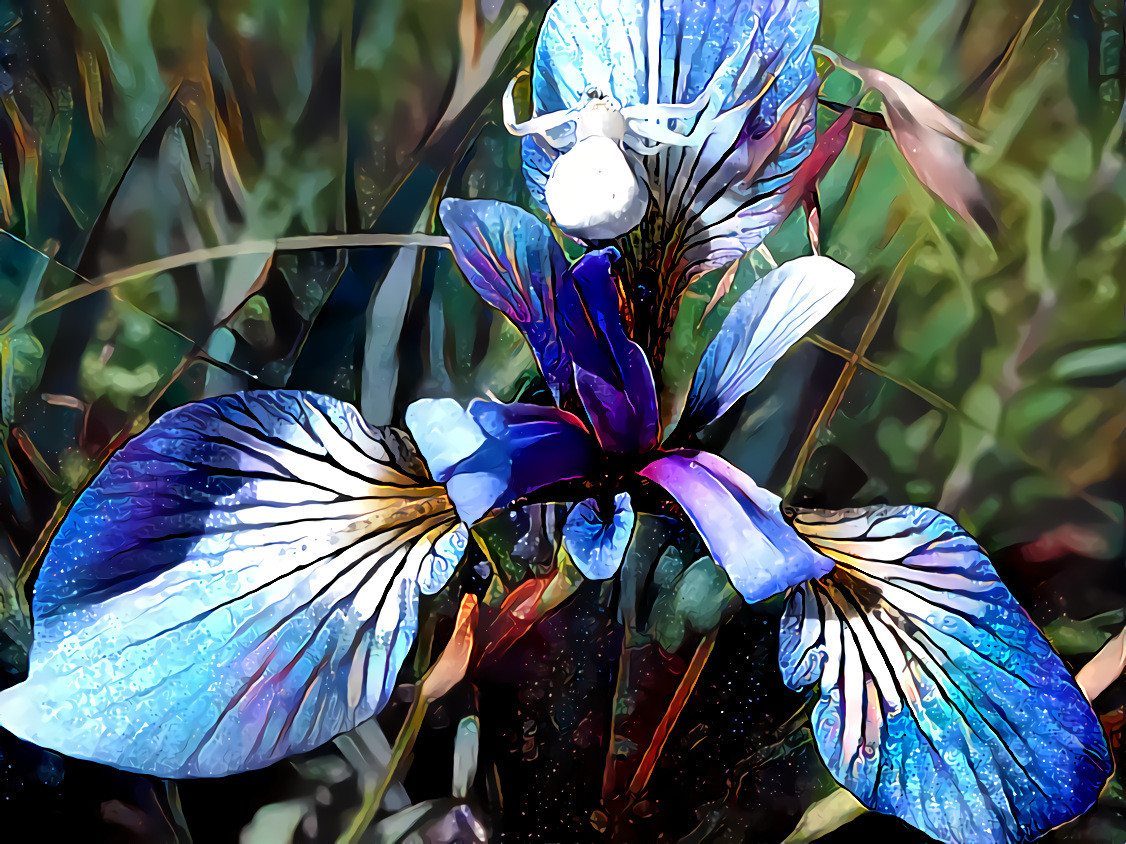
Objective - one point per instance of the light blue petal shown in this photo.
(240, 583)
(769, 318)
(596, 543)
(510, 258)
(749, 65)
(732, 47)
(489, 454)
(940, 702)
(736, 188)
(740, 522)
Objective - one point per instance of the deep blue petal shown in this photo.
(940, 701)
(511, 259)
(239, 583)
(769, 318)
(489, 454)
(612, 374)
(740, 522)
(596, 541)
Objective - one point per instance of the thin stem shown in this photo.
(851, 363)
(228, 250)
(683, 691)
(373, 795)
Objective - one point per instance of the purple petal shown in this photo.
(240, 583)
(612, 374)
(511, 259)
(489, 454)
(740, 522)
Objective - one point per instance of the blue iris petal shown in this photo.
(489, 454)
(749, 65)
(732, 48)
(769, 318)
(740, 522)
(597, 541)
(940, 701)
(240, 583)
(612, 374)
(511, 259)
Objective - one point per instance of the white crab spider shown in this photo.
(594, 190)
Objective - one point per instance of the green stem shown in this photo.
(374, 794)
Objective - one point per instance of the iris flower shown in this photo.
(936, 698)
(241, 581)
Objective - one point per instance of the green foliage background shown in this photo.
(979, 374)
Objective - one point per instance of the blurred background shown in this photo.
(190, 196)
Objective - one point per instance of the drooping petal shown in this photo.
(932, 141)
(769, 318)
(240, 583)
(612, 374)
(489, 454)
(740, 522)
(597, 541)
(746, 70)
(511, 259)
(941, 703)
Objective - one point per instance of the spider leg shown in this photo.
(641, 146)
(542, 125)
(668, 111)
(660, 134)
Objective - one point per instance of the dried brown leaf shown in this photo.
(451, 665)
(931, 140)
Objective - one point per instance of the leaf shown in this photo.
(1096, 361)
(825, 815)
(385, 315)
(697, 601)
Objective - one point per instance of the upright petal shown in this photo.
(596, 538)
(511, 259)
(489, 454)
(726, 92)
(740, 522)
(240, 583)
(769, 318)
(661, 52)
(612, 374)
(940, 702)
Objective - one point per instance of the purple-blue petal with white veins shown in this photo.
(596, 538)
(752, 57)
(739, 521)
(238, 584)
(612, 374)
(510, 258)
(940, 701)
(774, 314)
(490, 454)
